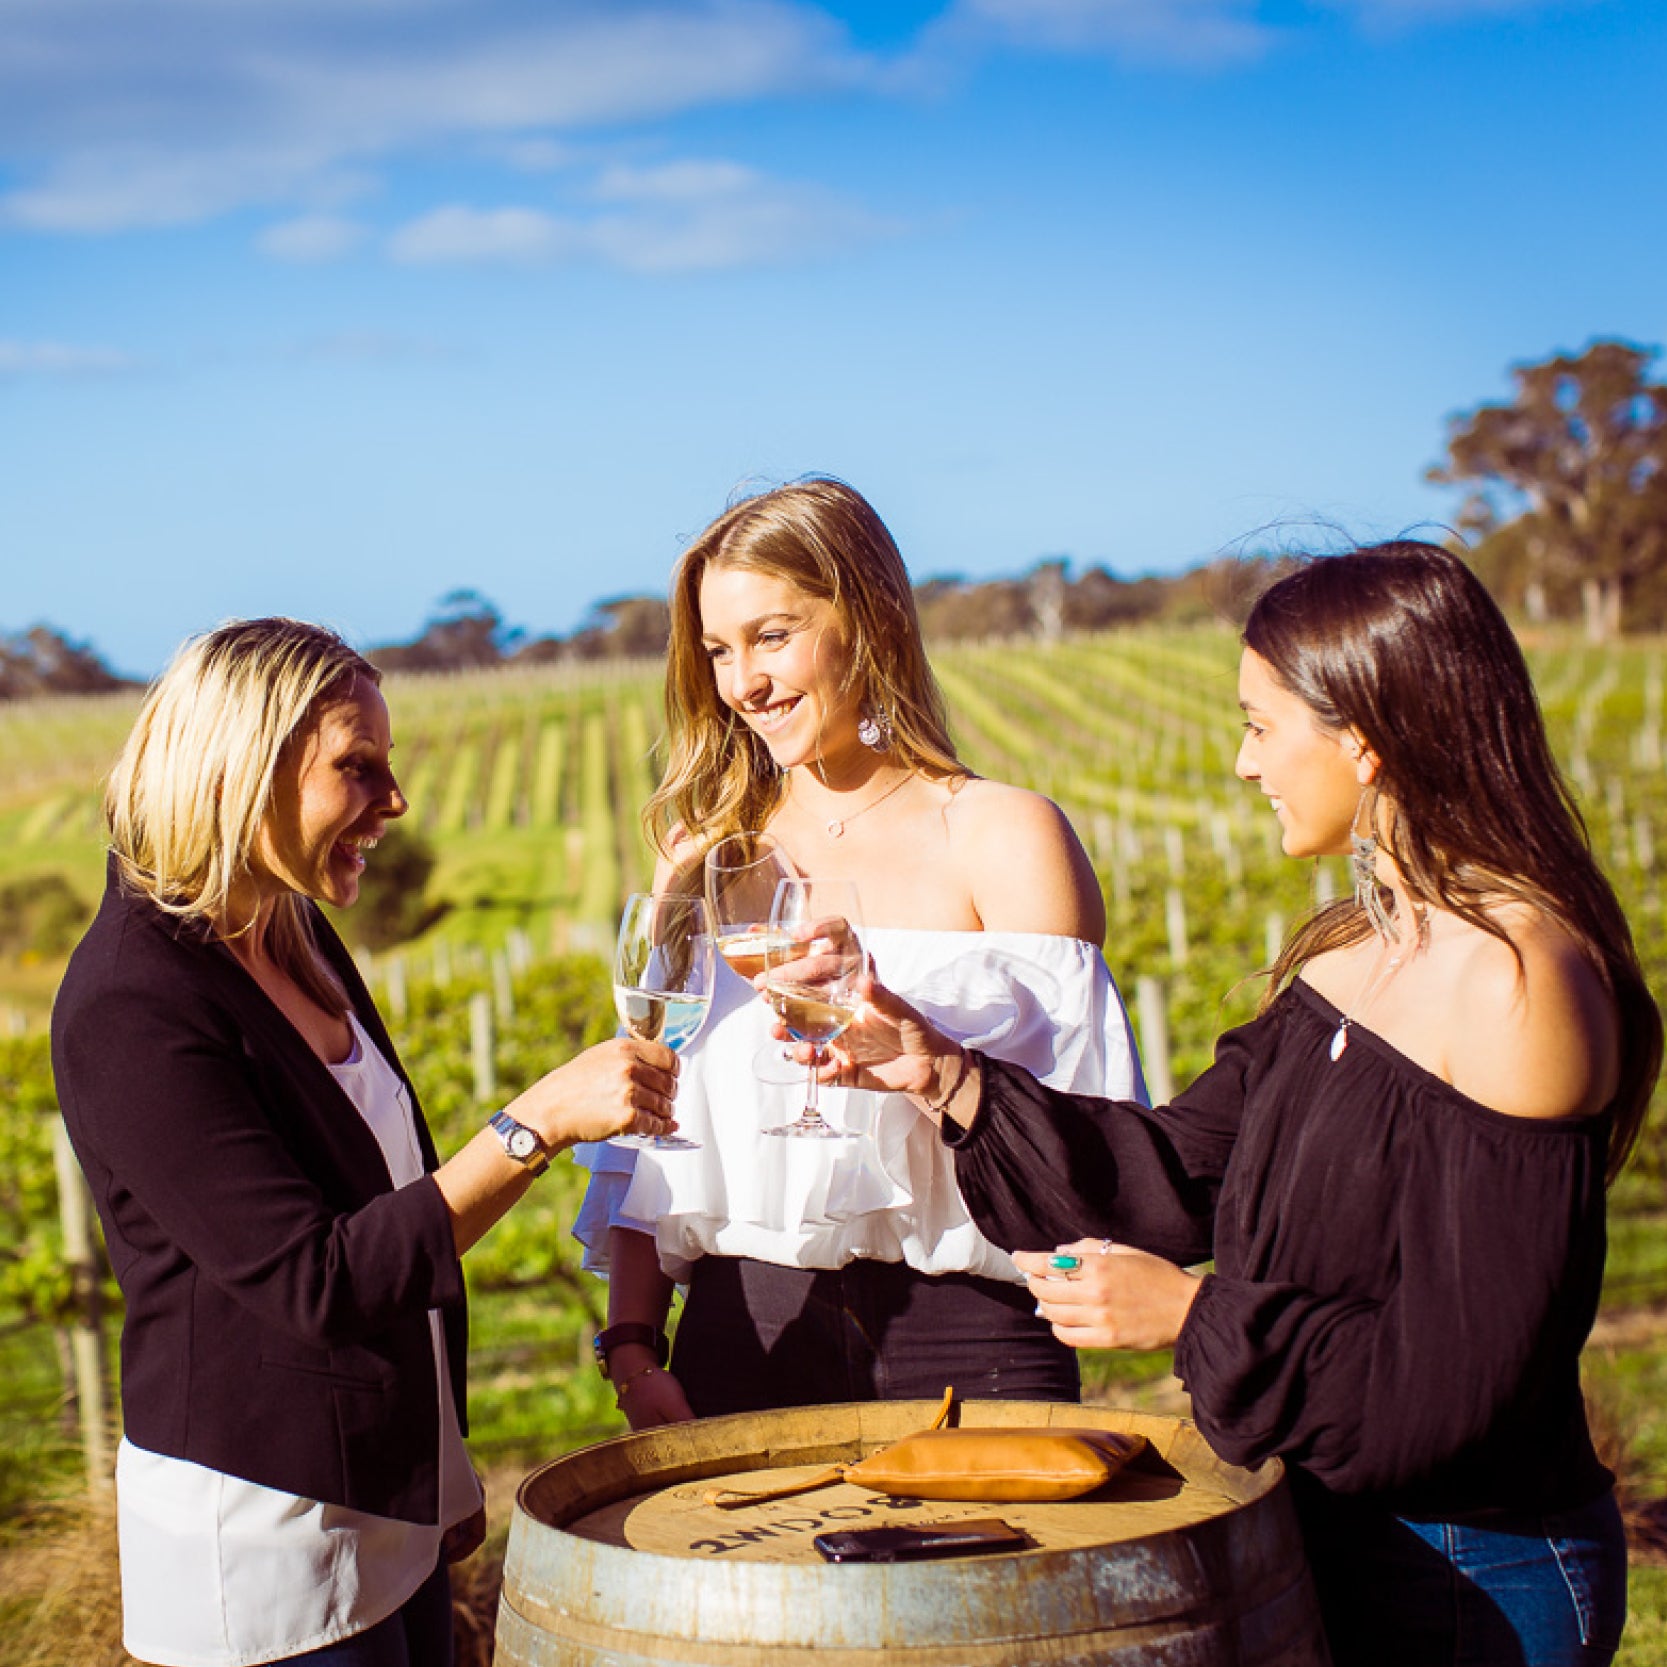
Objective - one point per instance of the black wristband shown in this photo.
(631, 1331)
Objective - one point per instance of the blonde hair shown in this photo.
(193, 784)
(825, 539)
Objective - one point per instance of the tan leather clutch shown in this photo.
(1002, 1466)
(997, 1465)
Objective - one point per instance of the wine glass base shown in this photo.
(655, 1142)
(811, 1131)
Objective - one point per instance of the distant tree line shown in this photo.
(1566, 515)
(41, 661)
(467, 632)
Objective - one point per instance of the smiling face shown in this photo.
(779, 662)
(1313, 776)
(332, 796)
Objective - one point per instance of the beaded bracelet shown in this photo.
(954, 1087)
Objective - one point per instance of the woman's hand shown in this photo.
(647, 1393)
(618, 1087)
(889, 1047)
(1115, 1297)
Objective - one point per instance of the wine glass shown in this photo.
(742, 872)
(663, 973)
(813, 963)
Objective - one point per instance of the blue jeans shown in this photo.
(1550, 1592)
(417, 1634)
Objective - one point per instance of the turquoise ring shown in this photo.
(1064, 1263)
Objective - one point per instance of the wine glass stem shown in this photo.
(812, 1085)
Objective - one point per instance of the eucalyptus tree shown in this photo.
(1570, 477)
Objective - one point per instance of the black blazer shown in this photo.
(277, 1286)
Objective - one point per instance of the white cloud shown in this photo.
(676, 182)
(116, 115)
(772, 226)
(99, 191)
(1192, 32)
(458, 235)
(537, 156)
(61, 359)
(677, 217)
(314, 239)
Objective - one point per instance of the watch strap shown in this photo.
(506, 1128)
(629, 1331)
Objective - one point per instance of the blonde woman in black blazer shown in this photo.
(286, 1240)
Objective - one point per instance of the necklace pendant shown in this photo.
(1339, 1040)
(836, 829)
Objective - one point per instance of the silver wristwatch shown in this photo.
(520, 1142)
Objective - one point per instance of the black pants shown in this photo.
(754, 1336)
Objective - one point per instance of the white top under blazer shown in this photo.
(1042, 1001)
(220, 1572)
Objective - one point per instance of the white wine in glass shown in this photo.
(742, 872)
(813, 965)
(663, 974)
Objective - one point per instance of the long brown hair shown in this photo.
(825, 539)
(1402, 643)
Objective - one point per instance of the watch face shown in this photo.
(523, 1143)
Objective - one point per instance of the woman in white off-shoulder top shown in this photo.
(799, 700)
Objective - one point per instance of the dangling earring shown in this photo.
(875, 728)
(1363, 860)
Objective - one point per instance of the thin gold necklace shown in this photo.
(837, 825)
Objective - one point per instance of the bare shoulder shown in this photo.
(1022, 862)
(1535, 1037)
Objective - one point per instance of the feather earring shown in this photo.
(1363, 862)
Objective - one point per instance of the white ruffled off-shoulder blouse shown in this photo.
(1045, 1002)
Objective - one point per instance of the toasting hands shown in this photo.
(623, 1086)
(889, 1047)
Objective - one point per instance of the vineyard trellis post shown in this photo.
(399, 1003)
(75, 1209)
(1175, 924)
(503, 989)
(1273, 936)
(483, 1047)
(1152, 1005)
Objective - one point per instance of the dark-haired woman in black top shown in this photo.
(1398, 1168)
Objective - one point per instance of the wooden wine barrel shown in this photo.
(615, 1559)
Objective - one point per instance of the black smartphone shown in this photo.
(924, 1539)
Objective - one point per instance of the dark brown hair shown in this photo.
(1402, 643)
(825, 539)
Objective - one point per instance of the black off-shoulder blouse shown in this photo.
(1403, 1277)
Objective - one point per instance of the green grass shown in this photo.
(40, 1459)
(1645, 1642)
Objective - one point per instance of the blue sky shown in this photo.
(328, 307)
